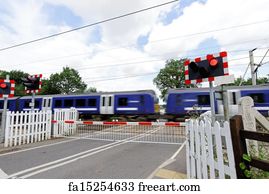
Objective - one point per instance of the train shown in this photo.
(181, 102)
(100, 105)
(143, 104)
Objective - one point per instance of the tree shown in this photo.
(66, 82)
(90, 90)
(262, 80)
(49, 87)
(171, 76)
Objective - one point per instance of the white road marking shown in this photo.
(47, 145)
(50, 165)
(56, 161)
(3, 175)
(167, 162)
(177, 152)
(42, 146)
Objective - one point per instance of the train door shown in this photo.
(46, 103)
(107, 104)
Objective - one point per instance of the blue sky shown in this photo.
(61, 15)
(142, 42)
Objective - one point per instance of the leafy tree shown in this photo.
(262, 80)
(171, 76)
(66, 82)
(90, 90)
(48, 87)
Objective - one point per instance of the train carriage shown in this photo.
(142, 102)
(134, 104)
(180, 102)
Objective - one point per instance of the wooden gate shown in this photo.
(209, 150)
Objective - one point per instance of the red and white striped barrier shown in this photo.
(172, 124)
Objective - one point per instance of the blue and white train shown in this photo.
(115, 103)
(179, 102)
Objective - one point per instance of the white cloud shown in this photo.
(122, 31)
(26, 20)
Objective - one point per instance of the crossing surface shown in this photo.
(144, 132)
(126, 155)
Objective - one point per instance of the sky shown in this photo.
(126, 54)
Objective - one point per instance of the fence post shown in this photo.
(249, 122)
(239, 145)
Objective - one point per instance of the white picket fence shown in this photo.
(61, 128)
(209, 151)
(27, 127)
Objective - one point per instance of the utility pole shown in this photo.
(252, 68)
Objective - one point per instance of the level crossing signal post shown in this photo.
(205, 70)
(32, 85)
(7, 89)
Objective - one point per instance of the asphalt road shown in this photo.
(85, 158)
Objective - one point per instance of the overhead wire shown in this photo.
(127, 46)
(87, 26)
(260, 64)
(124, 15)
(190, 56)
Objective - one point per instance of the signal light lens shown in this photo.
(194, 66)
(3, 85)
(213, 62)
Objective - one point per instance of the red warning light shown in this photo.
(213, 62)
(3, 85)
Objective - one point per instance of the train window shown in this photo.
(27, 104)
(58, 103)
(203, 100)
(49, 102)
(142, 100)
(104, 100)
(37, 104)
(68, 103)
(92, 102)
(109, 101)
(123, 102)
(178, 99)
(1, 104)
(80, 102)
(257, 97)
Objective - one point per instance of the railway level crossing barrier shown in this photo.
(147, 132)
(65, 124)
(30, 127)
